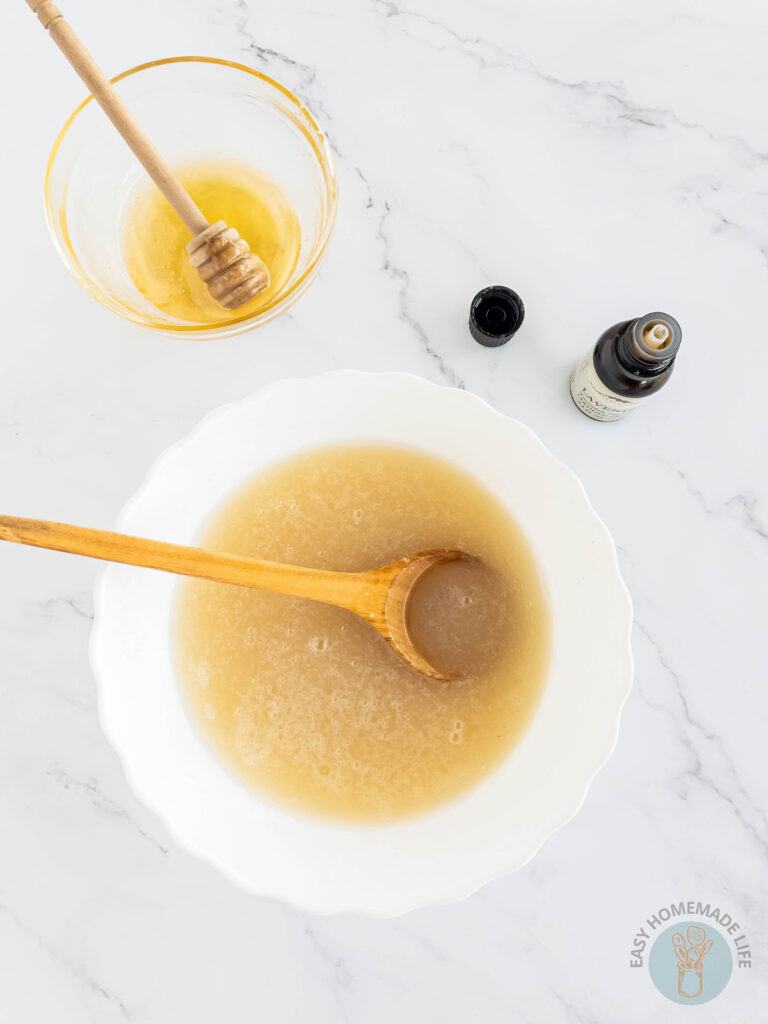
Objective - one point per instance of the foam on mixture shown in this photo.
(307, 703)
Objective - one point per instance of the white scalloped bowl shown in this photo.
(439, 857)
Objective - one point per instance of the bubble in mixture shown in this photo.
(318, 644)
(357, 516)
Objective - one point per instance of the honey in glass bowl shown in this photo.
(224, 190)
(229, 130)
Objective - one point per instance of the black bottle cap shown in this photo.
(495, 315)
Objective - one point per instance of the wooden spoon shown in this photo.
(379, 596)
(232, 273)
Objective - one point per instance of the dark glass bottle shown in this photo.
(631, 360)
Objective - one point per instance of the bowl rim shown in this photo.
(314, 135)
(572, 800)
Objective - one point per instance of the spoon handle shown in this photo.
(344, 589)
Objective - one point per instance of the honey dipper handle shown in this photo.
(345, 589)
(105, 94)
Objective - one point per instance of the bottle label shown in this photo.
(594, 398)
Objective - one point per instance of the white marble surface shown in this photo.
(604, 160)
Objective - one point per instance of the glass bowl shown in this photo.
(193, 108)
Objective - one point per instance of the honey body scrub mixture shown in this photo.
(307, 703)
(155, 239)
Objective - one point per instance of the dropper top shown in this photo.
(653, 339)
(656, 335)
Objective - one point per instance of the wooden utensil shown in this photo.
(704, 950)
(233, 274)
(379, 596)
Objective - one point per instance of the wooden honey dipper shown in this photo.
(233, 274)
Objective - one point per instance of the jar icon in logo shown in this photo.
(690, 951)
(689, 981)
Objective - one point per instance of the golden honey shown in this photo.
(155, 239)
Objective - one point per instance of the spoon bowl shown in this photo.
(407, 573)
